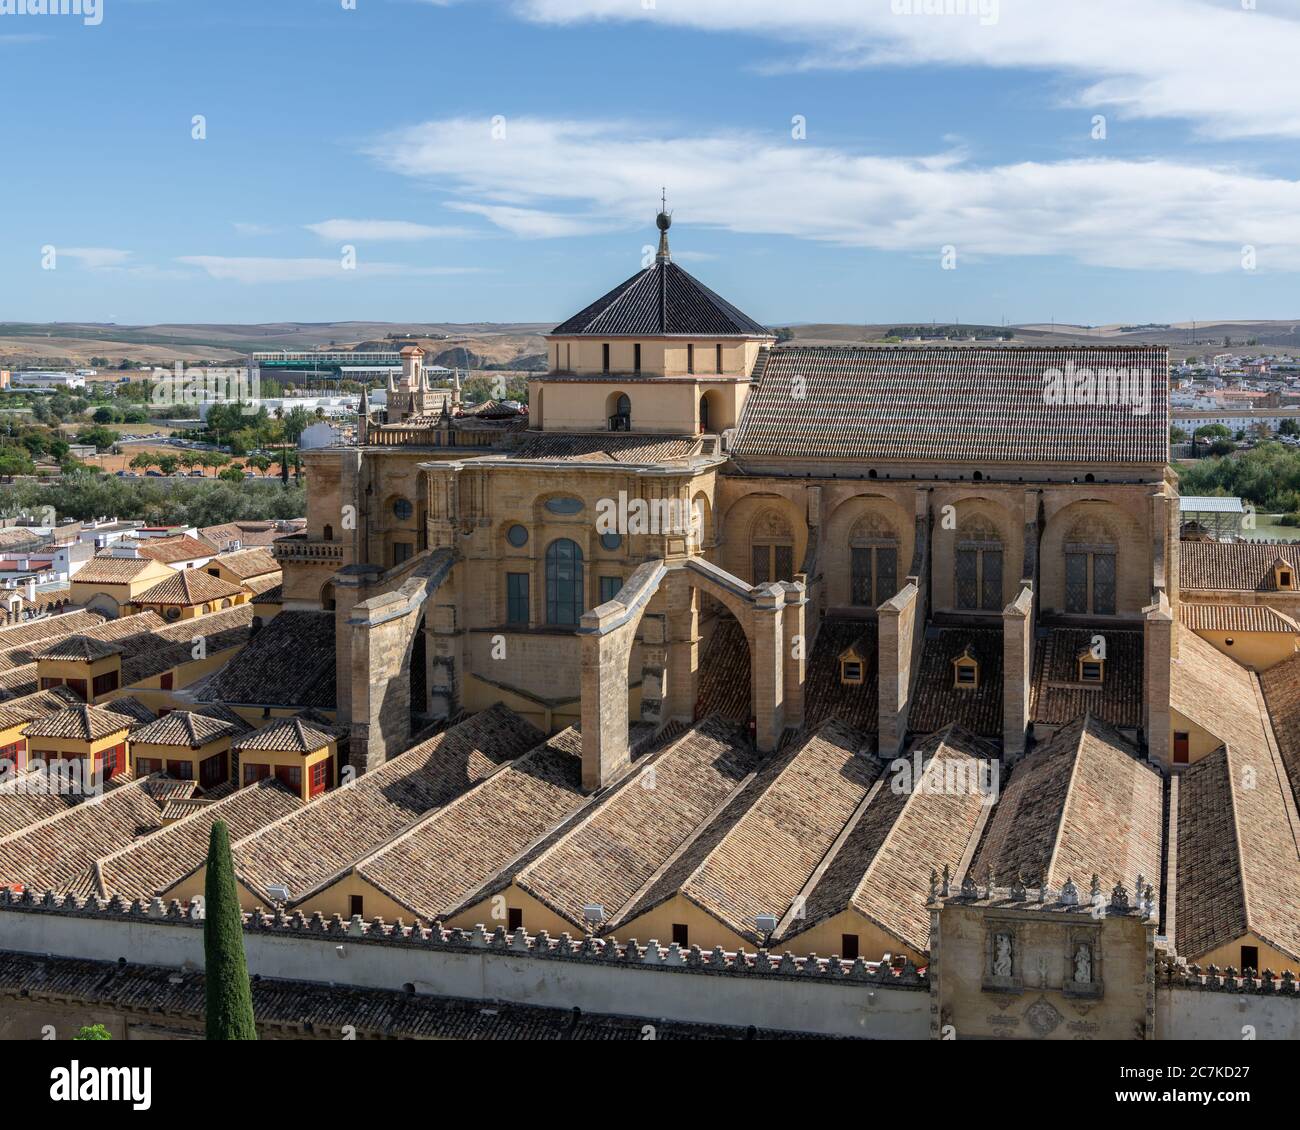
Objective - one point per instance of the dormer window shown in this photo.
(1283, 575)
(966, 671)
(851, 672)
(1090, 670)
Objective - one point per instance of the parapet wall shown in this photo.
(811, 994)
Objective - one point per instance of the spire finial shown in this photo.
(663, 221)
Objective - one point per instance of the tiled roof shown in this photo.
(37, 705)
(607, 447)
(724, 674)
(309, 1008)
(247, 563)
(289, 662)
(1080, 804)
(172, 645)
(1232, 566)
(182, 547)
(290, 735)
(661, 300)
(882, 866)
(936, 699)
(59, 853)
(132, 708)
(161, 859)
(81, 723)
(1234, 618)
(757, 856)
(1238, 868)
(249, 533)
(111, 570)
(189, 728)
(1281, 687)
(431, 868)
(825, 695)
(265, 585)
(957, 404)
(26, 799)
(343, 825)
(32, 631)
(191, 587)
(610, 854)
(81, 648)
(1056, 695)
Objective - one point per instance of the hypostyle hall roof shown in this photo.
(660, 301)
(950, 404)
(1083, 802)
(290, 662)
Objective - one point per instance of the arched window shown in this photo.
(564, 599)
(873, 561)
(977, 565)
(771, 549)
(1090, 568)
(620, 412)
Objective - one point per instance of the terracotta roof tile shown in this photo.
(188, 588)
(1232, 566)
(1057, 696)
(960, 404)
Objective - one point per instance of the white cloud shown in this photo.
(268, 270)
(1227, 68)
(95, 258)
(563, 178)
(377, 230)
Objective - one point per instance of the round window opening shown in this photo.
(611, 541)
(403, 509)
(517, 536)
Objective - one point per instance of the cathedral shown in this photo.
(817, 562)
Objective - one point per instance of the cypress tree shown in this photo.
(229, 995)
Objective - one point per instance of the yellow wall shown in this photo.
(668, 405)
(1256, 650)
(663, 357)
(191, 611)
(65, 669)
(167, 753)
(827, 937)
(702, 929)
(289, 759)
(1201, 742)
(536, 915)
(1269, 958)
(154, 572)
(335, 899)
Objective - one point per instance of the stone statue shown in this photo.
(1083, 964)
(1002, 955)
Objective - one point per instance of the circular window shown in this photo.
(611, 541)
(403, 509)
(517, 536)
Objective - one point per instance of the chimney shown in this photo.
(31, 589)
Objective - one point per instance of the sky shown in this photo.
(1088, 161)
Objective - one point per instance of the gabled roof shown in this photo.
(956, 404)
(343, 825)
(1082, 803)
(1234, 618)
(111, 570)
(881, 868)
(189, 588)
(756, 857)
(660, 301)
(245, 563)
(182, 547)
(1232, 566)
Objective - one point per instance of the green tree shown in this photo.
(167, 464)
(229, 994)
(16, 461)
(295, 421)
(93, 1032)
(231, 475)
(103, 415)
(1177, 435)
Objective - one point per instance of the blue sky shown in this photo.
(373, 128)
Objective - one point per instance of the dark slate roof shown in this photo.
(825, 695)
(724, 674)
(946, 404)
(936, 699)
(658, 301)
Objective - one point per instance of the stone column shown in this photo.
(1159, 634)
(681, 676)
(606, 649)
(1017, 671)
